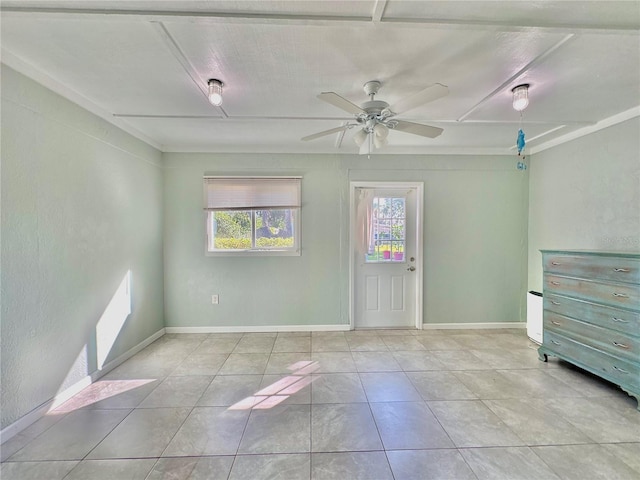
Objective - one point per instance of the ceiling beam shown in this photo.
(230, 118)
(182, 59)
(378, 10)
(521, 26)
(607, 122)
(581, 123)
(512, 79)
(214, 17)
(186, 16)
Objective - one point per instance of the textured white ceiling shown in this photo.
(144, 66)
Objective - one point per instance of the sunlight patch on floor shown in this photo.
(99, 391)
(279, 391)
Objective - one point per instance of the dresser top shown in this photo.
(598, 253)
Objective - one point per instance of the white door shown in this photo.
(385, 257)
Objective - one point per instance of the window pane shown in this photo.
(253, 230)
(274, 229)
(388, 230)
(231, 230)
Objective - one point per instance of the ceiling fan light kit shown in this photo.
(379, 142)
(374, 117)
(381, 130)
(360, 137)
(214, 92)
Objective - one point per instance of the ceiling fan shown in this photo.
(376, 117)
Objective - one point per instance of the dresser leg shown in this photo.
(542, 356)
(636, 396)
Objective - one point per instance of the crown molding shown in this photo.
(581, 132)
(28, 70)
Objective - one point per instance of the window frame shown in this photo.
(295, 250)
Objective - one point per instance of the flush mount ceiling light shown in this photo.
(520, 97)
(215, 92)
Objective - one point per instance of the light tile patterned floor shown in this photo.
(377, 404)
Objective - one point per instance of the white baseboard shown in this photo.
(472, 326)
(127, 355)
(260, 328)
(24, 421)
(336, 328)
(61, 397)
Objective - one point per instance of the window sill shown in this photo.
(254, 253)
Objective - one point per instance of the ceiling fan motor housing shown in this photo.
(377, 111)
(374, 107)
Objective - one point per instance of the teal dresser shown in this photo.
(591, 313)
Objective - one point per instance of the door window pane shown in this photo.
(387, 227)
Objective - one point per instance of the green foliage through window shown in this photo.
(252, 229)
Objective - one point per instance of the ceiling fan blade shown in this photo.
(341, 102)
(326, 132)
(429, 94)
(417, 129)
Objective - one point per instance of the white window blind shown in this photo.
(241, 193)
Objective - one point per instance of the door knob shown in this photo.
(411, 269)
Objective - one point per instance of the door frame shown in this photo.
(419, 188)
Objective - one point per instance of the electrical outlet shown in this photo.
(214, 299)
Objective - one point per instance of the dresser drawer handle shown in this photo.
(621, 345)
(555, 323)
(620, 320)
(621, 295)
(554, 303)
(556, 263)
(621, 370)
(621, 270)
(555, 343)
(554, 283)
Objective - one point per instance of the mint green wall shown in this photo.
(475, 241)
(81, 205)
(585, 194)
(304, 290)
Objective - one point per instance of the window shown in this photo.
(253, 216)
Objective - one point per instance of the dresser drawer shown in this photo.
(625, 321)
(612, 368)
(622, 295)
(588, 266)
(616, 343)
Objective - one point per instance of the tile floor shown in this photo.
(399, 404)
